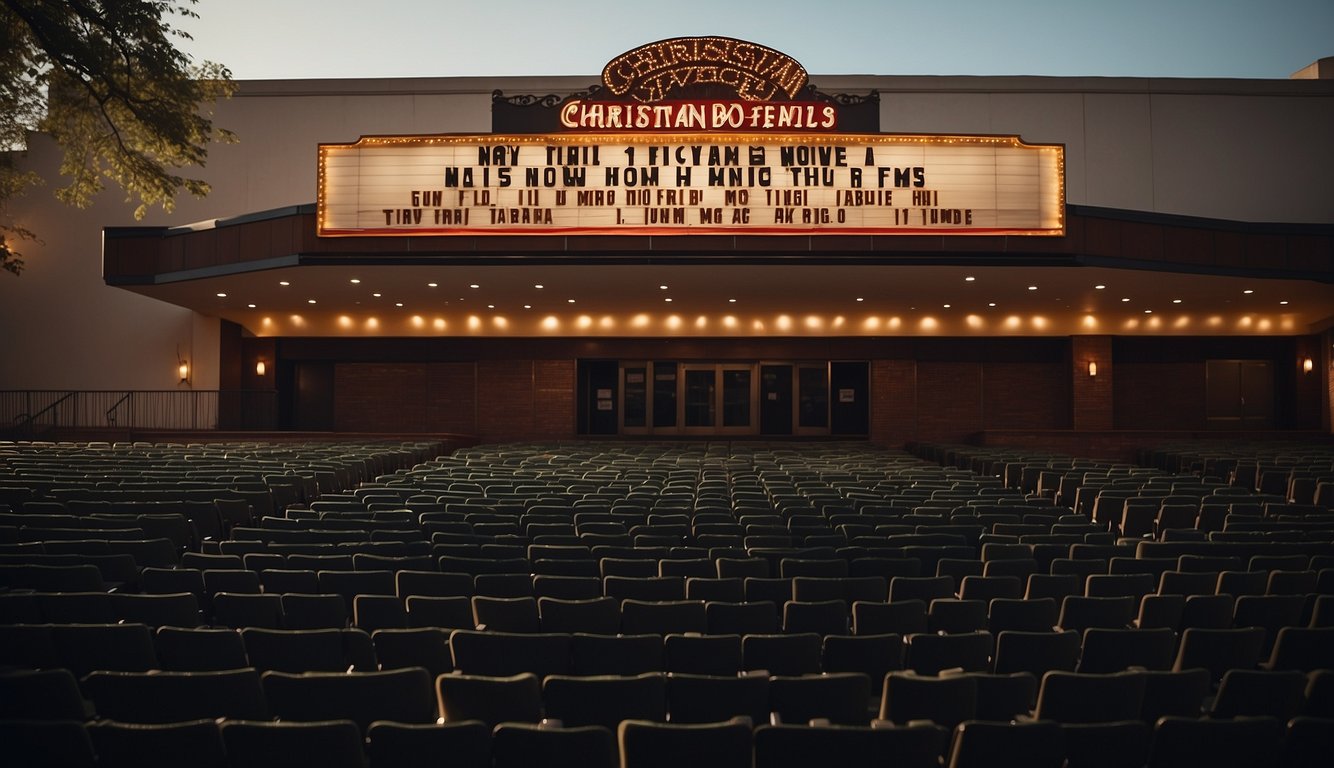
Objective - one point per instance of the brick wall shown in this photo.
(497, 400)
(1025, 396)
(949, 401)
(1159, 395)
(380, 397)
(893, 401)
(1094, 407)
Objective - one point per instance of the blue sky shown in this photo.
(260, 39)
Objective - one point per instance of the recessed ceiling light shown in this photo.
(222, 295)
(1176, 301)
(474, 285)
(1099, 287)
(538, 286)
(310, 301)
(527, 306)
(1283, 302)
(860, 298)
(969, 279)
(1126, 299)
(669, 298)
(1148, 311)
(662, 287)
(733, 301)
(490, 306)
(432, 285)
(1248, 291)
(283, 282)
(946, 306)
(569, 301)
(354, 281)
(991, 303)
(376, 295)
(252, 306)
(1032, 287)
(398, 303)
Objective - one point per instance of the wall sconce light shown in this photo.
(1308, 365)
(1093, 368)
(183, 368)
(260, 368)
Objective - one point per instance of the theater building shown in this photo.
(706, 242)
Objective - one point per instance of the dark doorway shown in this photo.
(597, 397)
(775, 399)
(850, 406)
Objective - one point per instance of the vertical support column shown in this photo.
(1091, 379)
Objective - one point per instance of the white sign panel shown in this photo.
(655, 184)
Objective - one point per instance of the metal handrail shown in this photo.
(111, 412)
(184, 409)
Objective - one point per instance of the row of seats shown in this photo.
(1243, 743)
(413, 695)
(85, 648)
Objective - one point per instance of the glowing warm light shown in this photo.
(1090, 321)
(569, 301)
(1040, 323)
(1248, 291)
(783, 323)
(729, 321)
(538, 286)
(440, 324)
(814, 322)
(344, 321)
(1032, 287)
(310, 301)
(283, 282)
(871, 323)
(895, 323)
(474, 285)
(252, 306)
(731, 301)
(607, 322)
(474, 323)
(969, 279)
(376, 295)
(418, 321)
(640, 320)
(1215, 321)
(674, 322)
(297, 320)
(1099, 287)
(758, 325)
(929, 324)
(372, 323)
(1286, 324)
(668, 299)
(432, 285)
(973, 321)
(398, 303)
(1246, 321)
(1181, 322)
(550, 323)
(583, 321)
(266, 321)
(1093, 368)
(1176, 301)
(1308, 365)
(500, 323)
(1013, 321)
(1132, 324)
(223, 296)
(838, 321)
(260, 368)
(183, 369)
(354, 281)
(1155, 322)
(1264, 324)
(701, 322)
(859, 298)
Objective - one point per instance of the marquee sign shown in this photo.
(678, 156)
